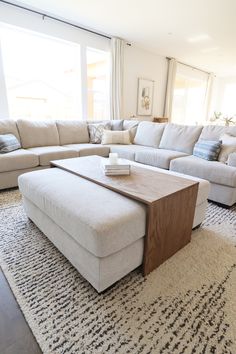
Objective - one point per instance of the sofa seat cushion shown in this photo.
(100, 220)
(128, 151)
(159, 158)
(49, 153)
(38, 133)
(18, 160)
(213, 171)
(180, 137)
(90, 149)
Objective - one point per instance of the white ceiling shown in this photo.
(197, 32)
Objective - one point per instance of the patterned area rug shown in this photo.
(187, 305)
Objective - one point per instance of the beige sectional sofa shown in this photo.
(42, 142)
(166, 146)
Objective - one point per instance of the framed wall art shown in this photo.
(145, 97)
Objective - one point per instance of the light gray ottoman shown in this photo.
(99, 231)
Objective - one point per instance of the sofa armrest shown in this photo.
(232, 159)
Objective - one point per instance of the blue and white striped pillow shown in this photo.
(207, 149)
(8, 143)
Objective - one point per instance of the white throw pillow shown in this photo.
(228, 146)
(116, 137)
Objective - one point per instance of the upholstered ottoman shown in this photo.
(99, 231)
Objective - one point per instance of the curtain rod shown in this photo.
(55, 18)
(190, 66)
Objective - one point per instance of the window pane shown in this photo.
(98, 84)
(228, 106)
(42, 75)
(189, 96)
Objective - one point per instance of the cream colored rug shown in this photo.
(187, 305)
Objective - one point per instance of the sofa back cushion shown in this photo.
(180, 137)
(72, 132)
(212, 132)
(149, 134)
(38, 133)
(117, 124)
(231, 130)
(132, 126)
(8, 126)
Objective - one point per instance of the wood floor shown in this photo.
(15, 334)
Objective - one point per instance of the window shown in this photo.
(190, 94)
(42, 75)
(228, 104)
(45, 76)
(98, 84)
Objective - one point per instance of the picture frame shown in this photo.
(145, 97)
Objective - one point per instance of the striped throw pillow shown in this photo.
(8, 143)
(207, 149)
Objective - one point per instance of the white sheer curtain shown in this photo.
(170, 88)
(4, 112)
(209, 94)
(117, 69)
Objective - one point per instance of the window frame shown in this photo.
(35, 23)
(108, 82)
(191, 74)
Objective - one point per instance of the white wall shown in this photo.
(139, 63)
